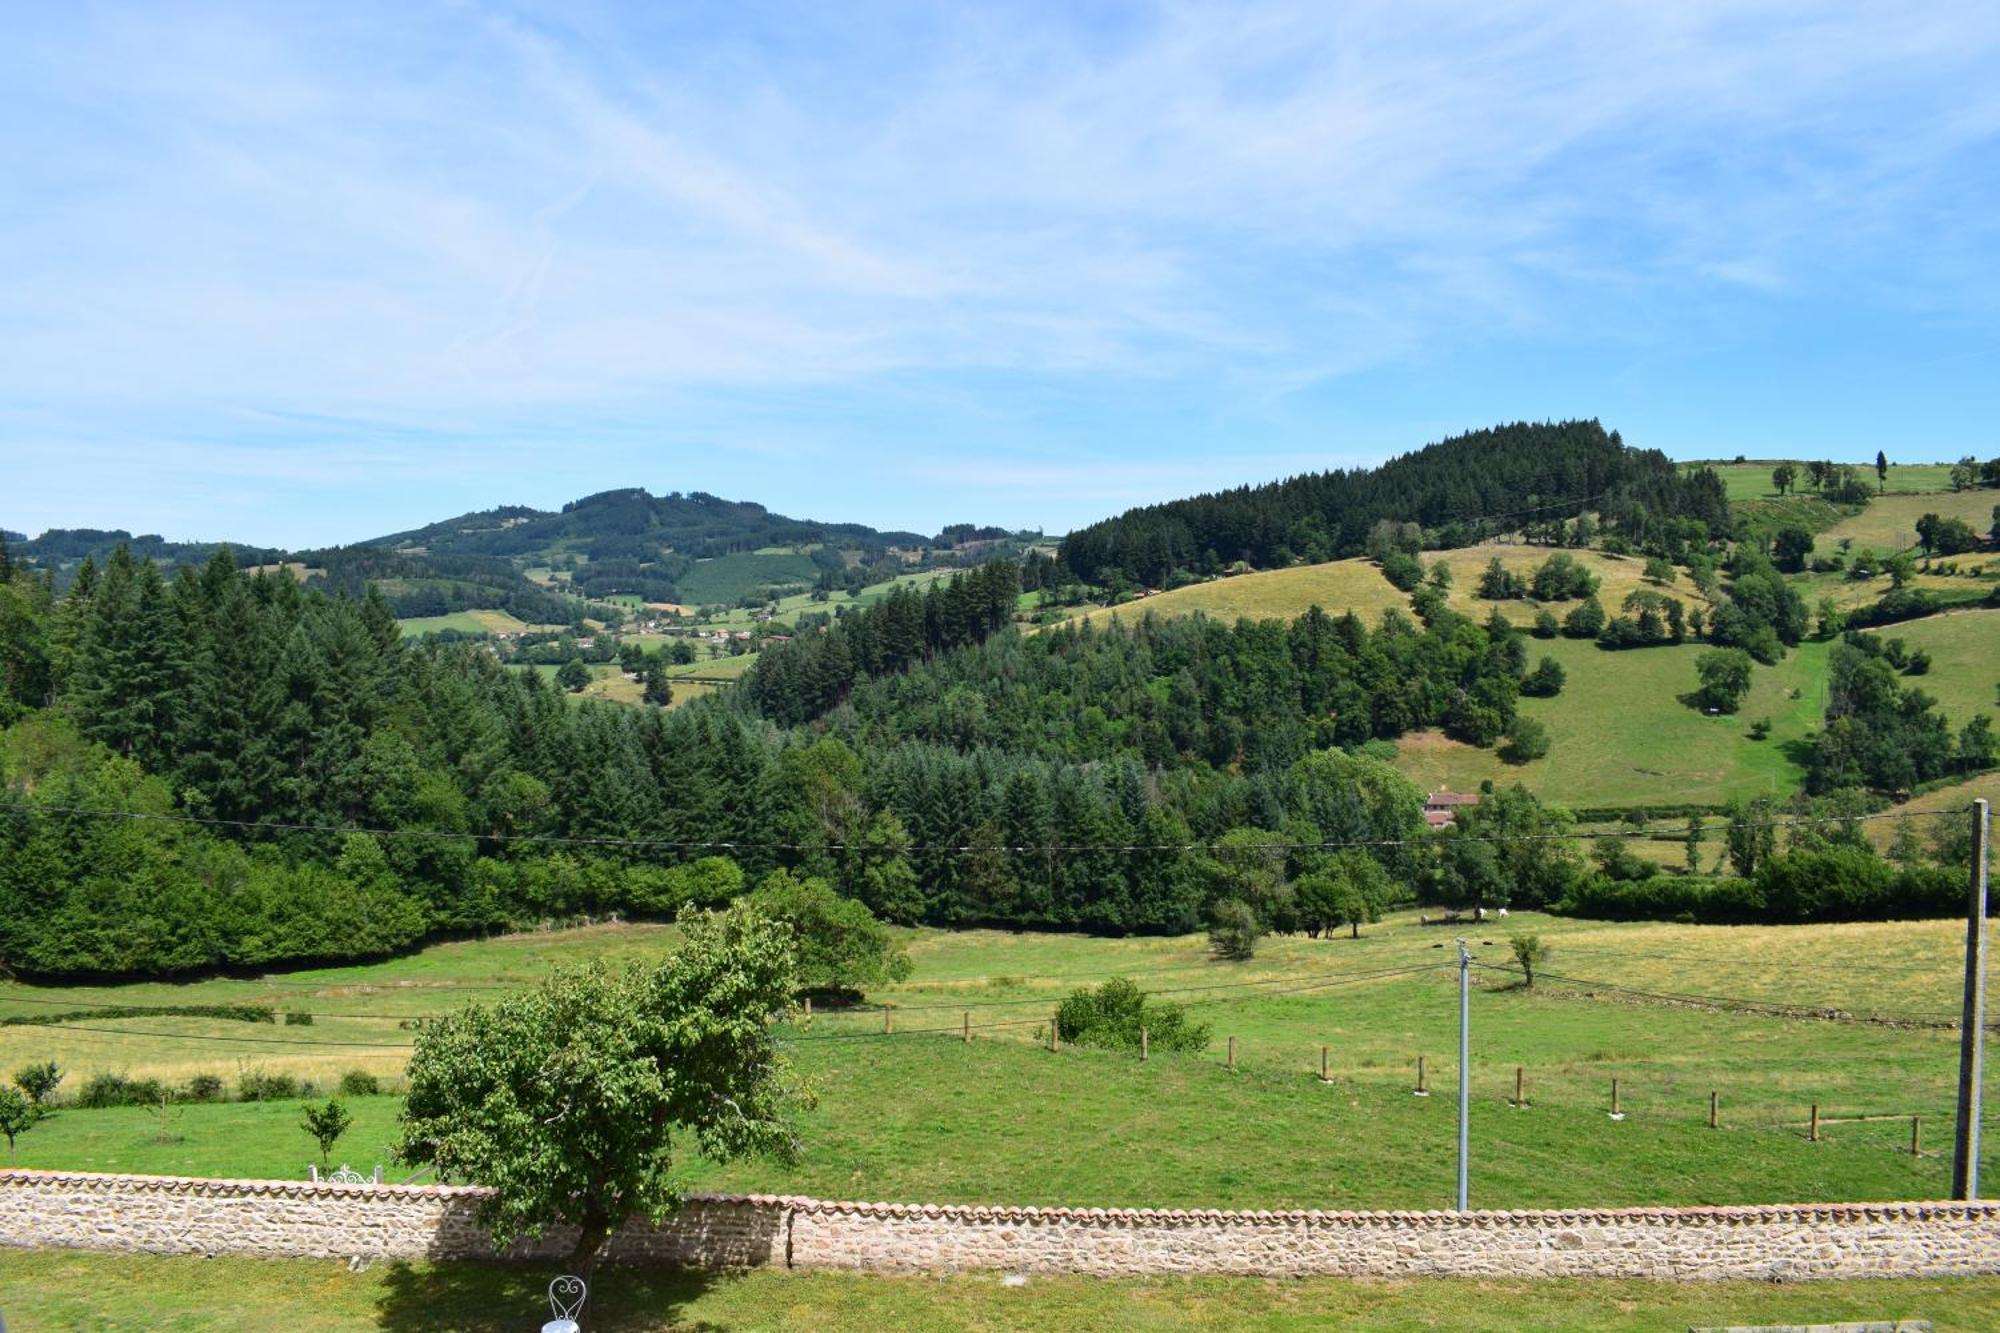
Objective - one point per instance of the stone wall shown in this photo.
(171, 1215)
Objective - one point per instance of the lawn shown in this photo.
(71, 1289)
(918, 1114)
(1619, 734)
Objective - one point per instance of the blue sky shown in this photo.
(297, 275)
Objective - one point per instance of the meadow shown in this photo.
(1889, 523)
(465, 622)
(70, 1289)
(918, 1113)
(1751, 479)
(1620, 734)
(1357, 585)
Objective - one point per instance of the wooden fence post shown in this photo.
(1144, 1052)
(809, 1008)
(885, 1019)
(1232, 1052)
(1812, 1126)
(1616, 1113)
(1714, 1110)
(1055, 1030)
(1916, 1136)
(1323, 1076)
(968, 1025)
(1520, 1086)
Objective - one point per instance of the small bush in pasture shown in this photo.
(1234, 930)
(298, 1020)
(255, 1085)
(204, 1088)
(1112, 1015)
(359, 1083)
(103, 1090)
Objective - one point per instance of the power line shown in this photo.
(692, 844)
(1768, 1008)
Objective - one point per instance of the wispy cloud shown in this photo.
(762, 228)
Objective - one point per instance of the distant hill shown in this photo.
(559, 566)
(632, 524)
(1459, 490)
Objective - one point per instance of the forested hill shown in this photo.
(1459, 490)
(632, 524)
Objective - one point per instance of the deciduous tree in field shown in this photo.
(1528, 951)
(39, 1081)
(840, 944)
(1725, 678)
(566, 1100)
(17, 1114)
(326, 1124)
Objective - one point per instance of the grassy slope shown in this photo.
(466, 622)
(1965, 660)
(1620, 735)
(1752, 480)
(1956, 797)
(726, 578)
(1889, 523)
(923, 1116)
(118, 1292)
(1357, 585)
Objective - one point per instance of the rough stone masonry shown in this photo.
(171, 1215)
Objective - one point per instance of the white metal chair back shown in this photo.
(566, 1297)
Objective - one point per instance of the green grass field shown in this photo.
(75, 1290)
(1619, 734)
(1889, 523)
(1965, 660)
(1752, 480)
(920, 1115)
(465, 622)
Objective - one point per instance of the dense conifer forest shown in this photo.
(1459, 490)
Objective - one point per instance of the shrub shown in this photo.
(359, 1083)
(1760, 729)
(1526, 740)
(298, 1020)
(1234, 930)
(1112, 1015)
(103, 1090)
(204, 1088)
(255, 1085)
(1546, 680)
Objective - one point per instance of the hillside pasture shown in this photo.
(1357, 585)
(724, 580)
(919, 1114)
(1889, 523)
(1751, 479)
(465, 622)
(1620, 735)
(1954, 799)
(1965, 660)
